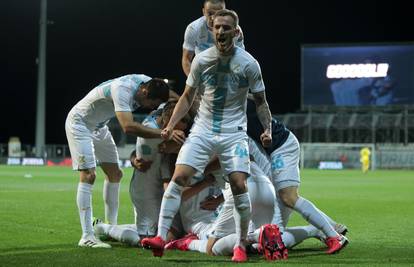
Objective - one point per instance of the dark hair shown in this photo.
(133, 154)
(214, 1)
(168, 110)
(228, 12)
(157, 89)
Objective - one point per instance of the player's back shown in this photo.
(190, 210)
(149, 184)
(100, 104)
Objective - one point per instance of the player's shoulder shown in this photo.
(206, 55)
(197, 24)
(243, 54)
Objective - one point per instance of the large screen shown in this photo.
(357, 74)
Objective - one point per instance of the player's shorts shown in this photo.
(231, 148)
(146, 210)
(85, 144)
(285, 164)
(263, 200)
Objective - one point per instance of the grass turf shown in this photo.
(40, 224)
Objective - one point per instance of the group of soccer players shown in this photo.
(214, 172)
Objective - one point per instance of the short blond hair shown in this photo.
(228, 12)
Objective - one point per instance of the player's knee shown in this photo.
(181, 179)
(88, 176)
(115, 176)
(288, 198)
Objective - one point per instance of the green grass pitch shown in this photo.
(40, 224)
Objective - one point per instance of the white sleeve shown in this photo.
(193, 78)
(254, 77)
(189, 38)
(121, 96)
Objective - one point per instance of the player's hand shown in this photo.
(169, 147)
(210, 203)
(178, 136)
(142, 165)
(166, 133)
(266, 138)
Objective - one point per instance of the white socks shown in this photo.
(242, 213)
(224, 246)
(84, 202)
(171, 201)
(311, 214)
(111, 200)
(198, 245)
(124, 234)
(295, 235)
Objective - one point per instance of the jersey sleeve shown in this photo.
(121, 96)
(190, 38)
(254, 76)
(193, 78)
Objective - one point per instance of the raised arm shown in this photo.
(182, 107)
(265, 117)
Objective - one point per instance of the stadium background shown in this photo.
(92, 41)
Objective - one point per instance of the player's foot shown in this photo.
(341, 229)
(239, 254)
(182, 243)
(335, 244)
(156, 244)
(92, 242)
(99, 229)
(271, 243)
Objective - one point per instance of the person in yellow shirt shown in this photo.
(364, 159)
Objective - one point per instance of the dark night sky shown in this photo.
(92, 41)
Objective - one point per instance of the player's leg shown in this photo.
(285, 169)
(125, 233)
(234, 160)
(83, 159)
(107, 154)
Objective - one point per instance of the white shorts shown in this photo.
(231, 148)
(85, 144)
(285, 164)
(263, 200)
(146, 209)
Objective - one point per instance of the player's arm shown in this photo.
(131, 127)
(180, 110)
(186, 59)
(265, 117)
(198, 187)
(188, 48)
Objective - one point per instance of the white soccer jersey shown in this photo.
(150, 184)
(198, 37)
(146, 188)
(190, 211)
(223, 82)
(101, 103)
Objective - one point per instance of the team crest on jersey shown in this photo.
(81, 159)
(236, 68)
